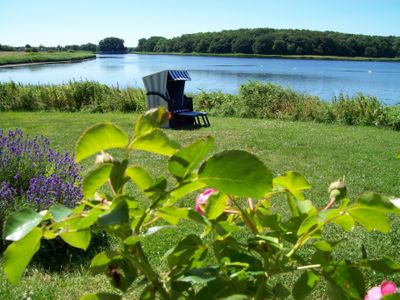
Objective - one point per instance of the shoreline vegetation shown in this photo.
(17, 59)
(255, 100)
(273, 56)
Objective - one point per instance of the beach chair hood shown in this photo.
(157, 86)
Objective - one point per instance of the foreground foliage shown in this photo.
(244, 247)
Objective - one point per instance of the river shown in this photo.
(322, 78)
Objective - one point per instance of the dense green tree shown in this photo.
(276, 41)
(88, 47)
(371, 51)
(112, 45)
(149, 45)
(263, 44)
(242, 44)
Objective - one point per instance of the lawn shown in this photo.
(322, 153)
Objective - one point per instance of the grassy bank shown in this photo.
(322, 153)
(15, 58)
(255, 100)
(242, 55)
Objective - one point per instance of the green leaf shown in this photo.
(77, 239)
(350, 280)
(304, 285)
(152, 119)
(216, 205)
(281, 291)
(18, 255)
(89, 219)
(21, 223)
(187, 254)
(132, 240)
(100, 137)
(306, 207)
(370, 219)
(235, 297)
(385, 265)
(345, 221)
(323, 245)
(155, 141)
(101, 261)
(118, 215)
(155, 229)
(311, 222)
(95, 179)
(377, 202)
(182, 163)
(202, 275)
(101, 296)
(237, 173)
(186, 188)
(292, 182)
(59, 212)
(140, 177)
(117, 175)
(172, 214)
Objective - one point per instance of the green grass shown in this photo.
(243, 55)
(13, 57)
(322, 153)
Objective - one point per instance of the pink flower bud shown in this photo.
(377, 292)
(388, 287)
(202, 199)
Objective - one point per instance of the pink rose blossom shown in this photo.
(202, 200)
(388, 287)
(377, 292)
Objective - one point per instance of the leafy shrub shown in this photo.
(33, 174)
(358, 110)
(245, 247)
(217, 103)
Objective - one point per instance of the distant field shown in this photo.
(14, 57)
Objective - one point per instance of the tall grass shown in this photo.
(75, 96)
(255, 100)
(15, 57)
(267, 100)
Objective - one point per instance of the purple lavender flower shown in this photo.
(33, 172)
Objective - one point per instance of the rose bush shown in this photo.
(245, 247)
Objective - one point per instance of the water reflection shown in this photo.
(321, 78)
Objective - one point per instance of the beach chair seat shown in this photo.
(166, 88)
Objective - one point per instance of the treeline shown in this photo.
(276, 42)
(107, 45)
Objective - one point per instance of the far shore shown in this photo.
(25, 64)
(242, 55)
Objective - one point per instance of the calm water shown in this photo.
(316, 77)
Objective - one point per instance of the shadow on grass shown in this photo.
(57, 256)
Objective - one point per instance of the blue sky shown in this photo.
(63, 22)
